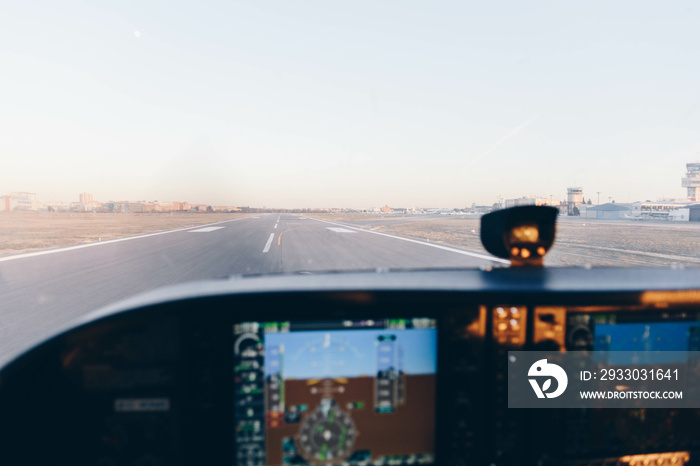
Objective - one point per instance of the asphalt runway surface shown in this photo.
(43, 290)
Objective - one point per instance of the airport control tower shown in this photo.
(573, 196)
(692, 180)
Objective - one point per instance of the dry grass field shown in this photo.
(579, 241)
(24, 231)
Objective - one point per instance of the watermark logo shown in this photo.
(543, 369)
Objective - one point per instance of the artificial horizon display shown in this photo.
(337, 392)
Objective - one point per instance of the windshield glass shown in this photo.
(148, 143)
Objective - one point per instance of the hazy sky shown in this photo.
(347, 103)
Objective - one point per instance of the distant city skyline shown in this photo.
(307, 104)
(23, 200)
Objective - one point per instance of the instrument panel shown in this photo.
(366, 378)
(319, 392)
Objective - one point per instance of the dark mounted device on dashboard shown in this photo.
(522, 234)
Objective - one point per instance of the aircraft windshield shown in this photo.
(147, 144)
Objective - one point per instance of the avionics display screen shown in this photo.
(650, 339)
(335, 392)
(619, 431)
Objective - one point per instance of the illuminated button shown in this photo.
(541, 251)
(514, 323)
(502, 326)
(501, 312)
(514, 311)
(514, 252)
(525, 253)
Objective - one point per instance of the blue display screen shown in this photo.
(351, 353)
(653, 340)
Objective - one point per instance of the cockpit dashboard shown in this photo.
(390, 368)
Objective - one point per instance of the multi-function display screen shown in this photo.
(660, 341)
(648, 336)
(335, 392)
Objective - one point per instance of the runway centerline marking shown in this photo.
(341, 230)
(206, 230)
(269, 243)
(437, 246)
(275, 226)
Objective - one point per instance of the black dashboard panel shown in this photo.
(163, 378)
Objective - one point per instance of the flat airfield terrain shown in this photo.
(579, 241)
(26, 231)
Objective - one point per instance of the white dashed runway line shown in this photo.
(269, 243)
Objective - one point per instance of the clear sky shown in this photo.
(347, 103)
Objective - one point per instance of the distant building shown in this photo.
(609, 211)
(692, 180)
(18, 201)
(573, 196)
(527, 200)
(87, 203)
(178, 206)
(123, 207)
(136, 207)
(167, 206)
(85, 198)
(694, 213)
(681, 214)
(661, 210)
(225, 208)
(56, 206)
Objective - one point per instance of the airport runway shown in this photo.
(41, 291)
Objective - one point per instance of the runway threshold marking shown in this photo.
(117, 240)
(432, 245)
(269, 243)
(206, 230)
(341, 230)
